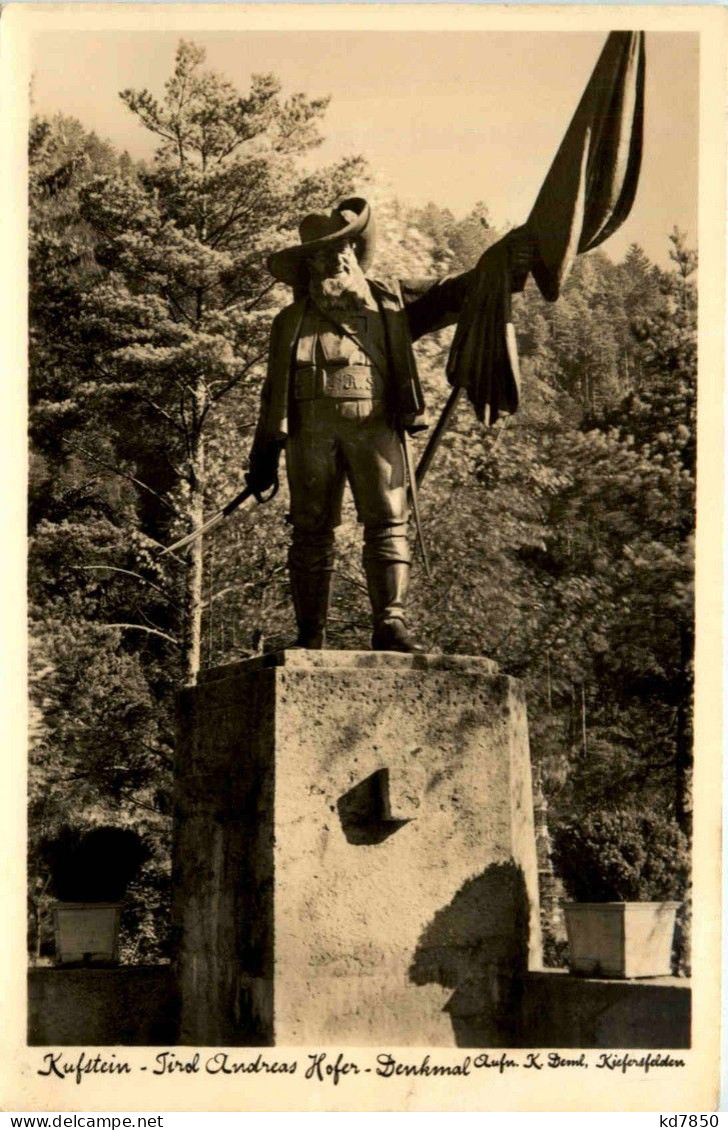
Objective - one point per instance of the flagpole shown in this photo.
(434, 440)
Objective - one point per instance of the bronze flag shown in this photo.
(591, 185)
(588, 192)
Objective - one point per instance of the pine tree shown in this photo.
(114, 312)
(617, 565)
(180, 322)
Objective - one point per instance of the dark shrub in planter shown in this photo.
(622, 855)
(93, 866)
(638, 863)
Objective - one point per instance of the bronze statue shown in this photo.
(341, 391)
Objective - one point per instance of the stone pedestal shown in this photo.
(354, 852)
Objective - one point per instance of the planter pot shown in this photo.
(87, 933)
(620, 939)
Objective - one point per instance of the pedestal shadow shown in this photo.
(477, 945)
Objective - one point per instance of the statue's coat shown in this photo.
(409, 309)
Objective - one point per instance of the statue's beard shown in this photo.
(343, 292)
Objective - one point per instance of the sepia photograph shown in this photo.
(363, 416)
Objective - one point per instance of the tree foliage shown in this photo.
(622, 855)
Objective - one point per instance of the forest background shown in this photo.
(561, 540)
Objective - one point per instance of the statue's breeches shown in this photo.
(333, 441)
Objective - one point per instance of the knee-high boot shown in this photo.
(310, 570)
(386, 560)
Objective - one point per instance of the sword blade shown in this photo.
(243, 501)
(198, 533)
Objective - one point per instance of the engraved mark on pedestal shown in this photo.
(367, 812)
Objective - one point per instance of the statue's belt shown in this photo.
(347, 382)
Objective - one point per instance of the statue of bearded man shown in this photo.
(341, 391)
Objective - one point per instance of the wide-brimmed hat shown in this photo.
(350, 221)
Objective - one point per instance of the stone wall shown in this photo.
(129, 1004)
(136, 1006)
(562, 1011)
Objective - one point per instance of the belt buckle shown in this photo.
(348, 383)
(339, 382)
